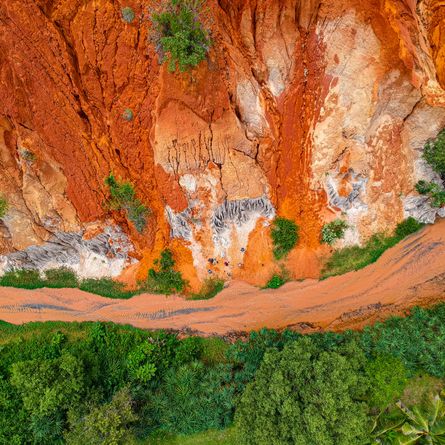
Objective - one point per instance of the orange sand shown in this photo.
(411, 273)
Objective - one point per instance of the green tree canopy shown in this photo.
(304, 396)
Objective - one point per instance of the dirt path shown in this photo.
(412, 273)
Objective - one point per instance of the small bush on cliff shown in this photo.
(127, 14)
(123, 197)
(434, 153)
(165, 280)
(333, 231)
(284, 236)
(433, 190)
(128, 114)
(179, 32)
(3, 207)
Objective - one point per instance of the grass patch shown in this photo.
(65, 278)
(210, 288)
(356, 257)
(106, 287)
(276, 282)
(214, 350)
(220, 437)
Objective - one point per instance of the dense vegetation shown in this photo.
(179, 32)
(435, 192)
(354, 258)
(123, 197)
(284, 235)
(100, 383)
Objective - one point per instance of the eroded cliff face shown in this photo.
(307, 109)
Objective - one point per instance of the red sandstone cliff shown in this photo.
(306, 109)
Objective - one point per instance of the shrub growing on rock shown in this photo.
(165, 280)
(3, 207)
(127, 14)
(434, 153)
(128, 115)
(123, 197)
(179, 32)
(284, 236)
(435, 192)
(333, 231)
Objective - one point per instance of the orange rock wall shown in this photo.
(318, 108)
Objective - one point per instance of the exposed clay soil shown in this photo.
(412, 273)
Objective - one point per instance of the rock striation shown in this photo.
(309, 109)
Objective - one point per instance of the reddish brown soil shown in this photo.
(412, 273)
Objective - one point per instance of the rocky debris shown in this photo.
(104, 255)
(419, 207)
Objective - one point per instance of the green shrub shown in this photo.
(28, 155)
(106, 287)
(302, 395)
(165, 280)
(128, 115)
(195, 398)
(127, 14)
(388, 378)
(424, 187)
(407, 227)
(178, 31)
(123, 197)
(210, 288)
(109, 423)
(275, 282)
(284, 236)
(434, 153)
(435, 192)
(247, 356)
(3, 207)
(333, 231)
